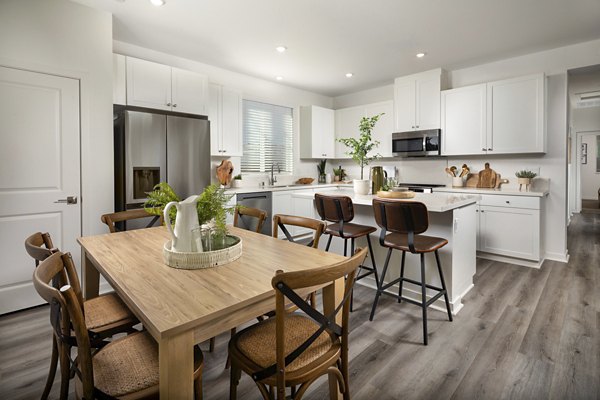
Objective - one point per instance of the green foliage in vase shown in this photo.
(238, 177)
(158, 198)
(359, 148)
(525, 174)
(321, 167)
(212, 206)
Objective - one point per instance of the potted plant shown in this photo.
(524, 177)
(360, 148)
(321, 167)
(339, 174)
(236, 182)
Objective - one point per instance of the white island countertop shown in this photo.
(435, 202)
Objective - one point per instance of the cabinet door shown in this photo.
(189, 92)
(119, 75)
(323, 130)
(303, 208)
(404, 102)
(464, 121)
(282, 204)
(384, 127)
(509, 231)
(347, 122)
(516, 115)
(427, 112)
(231, 123)
(214, 116)
(148, 84)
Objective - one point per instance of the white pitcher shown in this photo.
(185, 222)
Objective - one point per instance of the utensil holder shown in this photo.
(458, 181)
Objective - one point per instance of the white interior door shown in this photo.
(39, 165)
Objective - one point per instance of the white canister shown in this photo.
(458, 181)
(328, 178)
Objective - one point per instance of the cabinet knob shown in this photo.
(482, 211)
(507, 202)
(413, 127)
(490, 149)
(483, 149)
(168, 104)
(174, 105)
(417, 126)
(224, 151)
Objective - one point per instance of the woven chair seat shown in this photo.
(106, 310)
(130, 364)
(350, 230)
(257, 342)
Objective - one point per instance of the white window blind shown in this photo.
(268, 137)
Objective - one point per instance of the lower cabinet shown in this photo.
(285, 203)
(509, 226)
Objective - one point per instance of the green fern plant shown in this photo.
(158, 198)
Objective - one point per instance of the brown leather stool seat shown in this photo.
(405, 221)
(350, 230)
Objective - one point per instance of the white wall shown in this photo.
(64, 38)
(252, 89)
(590, 179)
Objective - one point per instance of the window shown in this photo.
(268, 137)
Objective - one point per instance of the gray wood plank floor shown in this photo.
(523, 334)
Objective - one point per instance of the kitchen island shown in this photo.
(451, 216)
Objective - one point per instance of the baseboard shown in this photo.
(564, 258)
(412, 294)
(511, 260)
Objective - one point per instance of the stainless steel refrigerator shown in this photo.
(153, 147)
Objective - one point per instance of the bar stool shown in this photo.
(340, 211)
(406, 220)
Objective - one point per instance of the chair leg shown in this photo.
(198, 388)
(439, 265)
(424, 299)
(211, 345)
(401, 278)
(328, 242)
(345, 247)
(228, 361)
(65, 370)
(235, 375)
(52, 371)
(373, 261)
(380, 286)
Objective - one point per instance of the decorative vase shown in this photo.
(236, 183)
(524, 181)
(336, 178)
(322, 178)
(361, 186)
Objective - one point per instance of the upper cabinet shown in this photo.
(347, 121)
(417, 101)
(161, 87)
(515, 115)
(502, 117)
(317, 129)
(119, 79)
(225, 115)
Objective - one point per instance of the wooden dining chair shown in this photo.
(112, 219)
(123, 368)
(307, 345)
(241, 222)
(105, 315)
(281, 221)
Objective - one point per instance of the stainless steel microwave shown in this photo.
(426, 143)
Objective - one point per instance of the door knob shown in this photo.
(68, 200)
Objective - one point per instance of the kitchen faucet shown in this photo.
(273, 178)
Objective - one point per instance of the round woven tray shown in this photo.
(407, 194)
(205, 259)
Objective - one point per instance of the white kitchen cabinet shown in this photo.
(282, 204)
(510, 226)
(463, 120)
(162, 87)
(417, 101)
(119, 79)
(317, 130)
(303, 207)
(347, 121)
(225, 115)
(515, 121)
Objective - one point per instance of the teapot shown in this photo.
(185, 222)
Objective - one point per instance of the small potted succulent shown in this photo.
(524, 177)
(360, 148)
(339, 174)
(236, 182)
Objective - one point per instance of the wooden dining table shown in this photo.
(181, 308)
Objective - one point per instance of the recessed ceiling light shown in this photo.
(157, 3)
(421, 55)
(279, 78)
(281, 49)
(349, 75)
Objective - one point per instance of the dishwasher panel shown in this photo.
(260, 200)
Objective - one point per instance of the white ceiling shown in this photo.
(376, 40)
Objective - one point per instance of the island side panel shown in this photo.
(464, 259)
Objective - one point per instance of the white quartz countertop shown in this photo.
(435, 202)
(278, 188)
(506, 191)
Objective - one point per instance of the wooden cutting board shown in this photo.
(396, 195)
(487, 177)
(472, 181)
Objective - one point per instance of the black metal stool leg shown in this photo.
(345, 247)
(328, 243)
(424, 299)
(379, 290)
(439, 265)
(401, 278)
(373, 262)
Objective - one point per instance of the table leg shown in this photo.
(176, 365)
(333, 296)
(91, 278)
